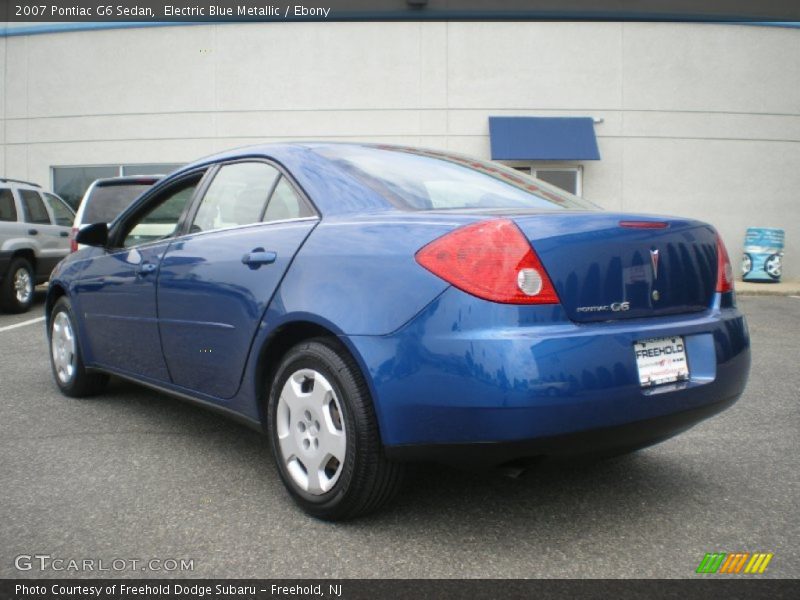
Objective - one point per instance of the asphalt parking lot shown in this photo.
(137, 475)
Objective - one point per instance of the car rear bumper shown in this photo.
(466, 372)
(602, 441)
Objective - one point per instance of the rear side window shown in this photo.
(286, 204)
(237, 196)
(62, 213)
(106, 202)
(8, 212)
(32, 203)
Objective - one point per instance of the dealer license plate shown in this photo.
(661, 360)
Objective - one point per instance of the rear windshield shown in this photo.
(418, 179)
(108, 201)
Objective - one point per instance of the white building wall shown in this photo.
(697, 119)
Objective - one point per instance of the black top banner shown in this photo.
(33, 11)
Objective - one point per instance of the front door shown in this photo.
(215, 284)
(117, 289)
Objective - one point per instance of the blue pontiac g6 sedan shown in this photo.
(370, 305)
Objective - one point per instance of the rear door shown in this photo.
(215, 283)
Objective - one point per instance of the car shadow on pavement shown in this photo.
(574, 495)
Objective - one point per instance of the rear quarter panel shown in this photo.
(352, 277)
(359, 276)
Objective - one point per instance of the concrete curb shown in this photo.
(784, 288)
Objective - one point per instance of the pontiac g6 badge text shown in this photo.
(613, 307)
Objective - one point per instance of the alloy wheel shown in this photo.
(311, 431)
(23, 286)
(62, 345)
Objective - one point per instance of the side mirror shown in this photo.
(95, 234)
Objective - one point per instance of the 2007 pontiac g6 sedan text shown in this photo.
(371, 305)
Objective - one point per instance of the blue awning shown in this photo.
(543, 138)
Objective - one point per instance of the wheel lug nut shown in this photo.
(308, 416)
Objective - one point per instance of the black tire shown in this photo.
(8, 293)
(367, 480)
(82, 383)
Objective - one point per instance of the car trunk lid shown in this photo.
(608, 266)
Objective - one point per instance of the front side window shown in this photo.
(71, 183)
(32, 204)
(62, 213)
(237, 196)
(107, 201)
(8, 212)
(161, 219)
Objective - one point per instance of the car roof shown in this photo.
(281, 150)
(332, 190)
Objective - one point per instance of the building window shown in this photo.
(71, 182)
(151, 169)
(566, 178)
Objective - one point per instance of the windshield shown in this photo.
(108, 201)
(419, 179)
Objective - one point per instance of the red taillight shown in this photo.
(724, 268)
(73, 245)
(492, 260)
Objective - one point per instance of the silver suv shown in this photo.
(34, 236)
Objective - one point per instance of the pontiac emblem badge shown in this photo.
(654, 262)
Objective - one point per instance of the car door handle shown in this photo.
(259, 257)
(147, 268)
(33, 232)
(64, 234)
